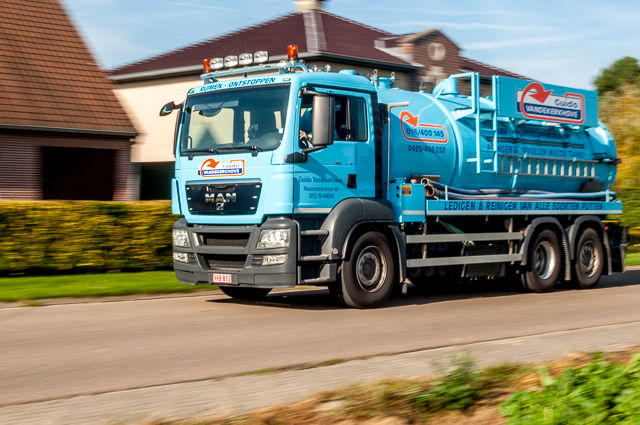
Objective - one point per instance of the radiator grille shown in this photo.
(225, 239)
(224, 261)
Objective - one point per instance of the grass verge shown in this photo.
(30, 288)
(577, 389)
(91, 285)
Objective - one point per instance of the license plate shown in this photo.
(224, 278)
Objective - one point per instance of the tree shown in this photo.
(622, 71)
(620, 111)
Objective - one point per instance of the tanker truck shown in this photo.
(288, 174)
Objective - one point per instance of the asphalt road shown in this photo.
(65, 350)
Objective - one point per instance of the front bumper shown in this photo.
(232, 250)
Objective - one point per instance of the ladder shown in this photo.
(486, 159)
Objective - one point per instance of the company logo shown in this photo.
(213, 168)
(418, 132)
(537, 103)
(222, 197)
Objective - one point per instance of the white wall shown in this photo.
(143, 100)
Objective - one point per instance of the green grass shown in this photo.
(92, 285)
(104, 284)
(633, 259)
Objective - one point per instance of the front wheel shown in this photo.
(544, 263)
(368, 274)
(245, 293)
(588, 263)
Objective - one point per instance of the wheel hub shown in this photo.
(371, 269)
(589, 259)
(544, 259)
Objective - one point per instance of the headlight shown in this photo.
(274, 238)
(272, 260)
(181, 238)
(183, 257)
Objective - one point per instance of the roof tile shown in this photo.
(48, 76)
(312, 31)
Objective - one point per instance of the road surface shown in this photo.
(73, 351)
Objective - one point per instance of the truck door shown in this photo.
(345, 169)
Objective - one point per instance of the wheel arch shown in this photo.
(354, 216)
(392, 232)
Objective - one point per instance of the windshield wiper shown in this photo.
(253, 148)
(192, 152)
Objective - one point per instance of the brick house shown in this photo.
(63, 133)
(418, 60)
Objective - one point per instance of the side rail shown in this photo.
(463, 237)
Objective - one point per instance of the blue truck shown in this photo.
(288, 174)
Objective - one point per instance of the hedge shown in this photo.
(87, 236)
(83, 236)
(630, 207)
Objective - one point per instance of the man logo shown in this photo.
(220, 206)
(221, 198)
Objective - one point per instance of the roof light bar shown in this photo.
(261, 56)
(230, 61)
(245, 59)
(217, 63)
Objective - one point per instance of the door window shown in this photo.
(350, 118)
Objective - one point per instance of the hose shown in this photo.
(437, 190)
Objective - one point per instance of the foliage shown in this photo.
(416, 400)
(82, 236)
(620, 111)
(599, 393)
(630, 207)
(457, 390)
(623, 71)
(92, 285)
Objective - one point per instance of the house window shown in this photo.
(436, 51)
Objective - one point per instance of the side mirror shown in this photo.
(167, 109)
(323, 118)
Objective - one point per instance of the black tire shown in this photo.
(589, 260)
(368, 274)
(544, 263)
(245, 293)
(335, 291)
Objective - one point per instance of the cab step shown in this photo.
(322, 257)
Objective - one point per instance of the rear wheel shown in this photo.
(368, 275)
(544, 263)
(245, 293)
(588, 263)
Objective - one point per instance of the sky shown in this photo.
(563, 42)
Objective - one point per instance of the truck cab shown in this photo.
(261, 162)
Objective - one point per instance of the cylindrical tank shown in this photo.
(430, 136)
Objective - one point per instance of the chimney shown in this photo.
(306, 5)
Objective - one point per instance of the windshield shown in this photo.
(235, 120)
